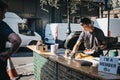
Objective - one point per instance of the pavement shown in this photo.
(23, 63)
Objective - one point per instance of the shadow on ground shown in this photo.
(23, 52)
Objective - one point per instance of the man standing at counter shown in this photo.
(92, 37)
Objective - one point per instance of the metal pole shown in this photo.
(68, 17)
(109, 8)
(108, 22)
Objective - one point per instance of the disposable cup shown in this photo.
(54, 48)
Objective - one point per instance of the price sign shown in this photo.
(108, 64)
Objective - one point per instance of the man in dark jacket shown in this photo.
(6, 34)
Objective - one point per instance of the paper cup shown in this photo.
(113, 53)
(54, 48)
(95, 64)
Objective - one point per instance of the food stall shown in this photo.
(49, 66)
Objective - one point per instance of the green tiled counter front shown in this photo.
(44, 69)
(38, 66)
(53, 67)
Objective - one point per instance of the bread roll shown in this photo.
(83, 56)
(67, 52)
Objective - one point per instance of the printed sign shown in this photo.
(108, 64)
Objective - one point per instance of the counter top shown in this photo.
(88, 70)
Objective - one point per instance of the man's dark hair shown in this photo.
(85, 21)
(3, 5)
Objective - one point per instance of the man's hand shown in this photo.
(4, 56)
(101, 47)
(72, 54)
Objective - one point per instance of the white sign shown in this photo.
(108, 64)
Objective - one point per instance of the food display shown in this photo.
(89, 51)
(83, 56)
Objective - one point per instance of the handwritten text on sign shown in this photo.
(108, 64)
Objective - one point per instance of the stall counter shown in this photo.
(49, 66)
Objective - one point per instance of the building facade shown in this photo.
(31, 10)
